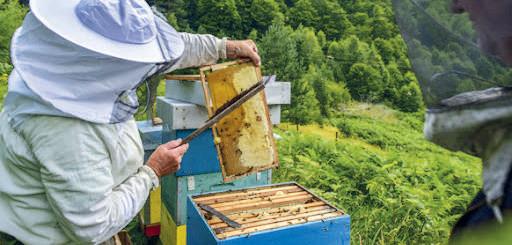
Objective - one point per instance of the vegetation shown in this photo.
(397, 187)
(11, 15)
(351, 49)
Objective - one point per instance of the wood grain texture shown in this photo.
(264, 208)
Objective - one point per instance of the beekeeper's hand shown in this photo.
(166, 158)
(243, 49)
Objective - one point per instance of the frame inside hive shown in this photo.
(244, 138)
(264, 208)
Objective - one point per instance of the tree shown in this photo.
(345, 53)
(244, 10)
(219, 17)
(264, 13)
(304, 108)
(396, 79)
(330, 95)
(322, 40)
(278, 51)
(253, 35)
(363, 24)
(410, 99)
(302, 13)
(375, 60)
(332, 19)
(308, 48)
(364, 83)
(386, 50)
(383, 28)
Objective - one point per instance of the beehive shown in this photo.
(175, 189)
(244, 138)
(283, 213)
(172, 234)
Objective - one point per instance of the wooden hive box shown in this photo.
(171, 233)
(244, 138)
(150, 214)
(283, 213)
(151, 137)
(179, 120)
(175, 189)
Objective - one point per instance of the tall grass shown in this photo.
(397, 187)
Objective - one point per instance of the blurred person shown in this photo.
(460, 52)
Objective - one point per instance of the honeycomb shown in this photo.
(244, 137)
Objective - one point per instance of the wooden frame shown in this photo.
(280, 212)
(209, 105)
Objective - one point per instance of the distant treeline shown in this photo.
(332, 51)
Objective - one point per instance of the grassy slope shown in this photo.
(397, 187)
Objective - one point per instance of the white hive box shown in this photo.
(277, 93)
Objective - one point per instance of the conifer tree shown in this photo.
(278, 51)
(308, 47)
(220, 18)
(364, 83)
(303, 13)
(263, 13)
(304, 107)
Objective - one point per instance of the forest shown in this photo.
(351, 76)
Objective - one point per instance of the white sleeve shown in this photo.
(75, 169)
(200, 49)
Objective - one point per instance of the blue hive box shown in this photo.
(201, 157)
(175, 189)
(151, 137)
(275, 214)
(180, 119)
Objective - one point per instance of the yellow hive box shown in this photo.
(150, 214)
(170, 233)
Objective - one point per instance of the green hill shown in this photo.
(397, 187)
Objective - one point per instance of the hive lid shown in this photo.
(244, 139)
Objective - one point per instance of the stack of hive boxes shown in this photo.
(182, 111)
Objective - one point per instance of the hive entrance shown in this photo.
(264, 208)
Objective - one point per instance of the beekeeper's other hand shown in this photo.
(243, 49)
(166, 158)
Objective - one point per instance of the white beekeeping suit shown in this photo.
(71, 159)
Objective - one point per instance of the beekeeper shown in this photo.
(463, 67)
(71, 159)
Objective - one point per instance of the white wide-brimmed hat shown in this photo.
(125, 29)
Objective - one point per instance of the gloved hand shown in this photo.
(243, 49)
(166, 158)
